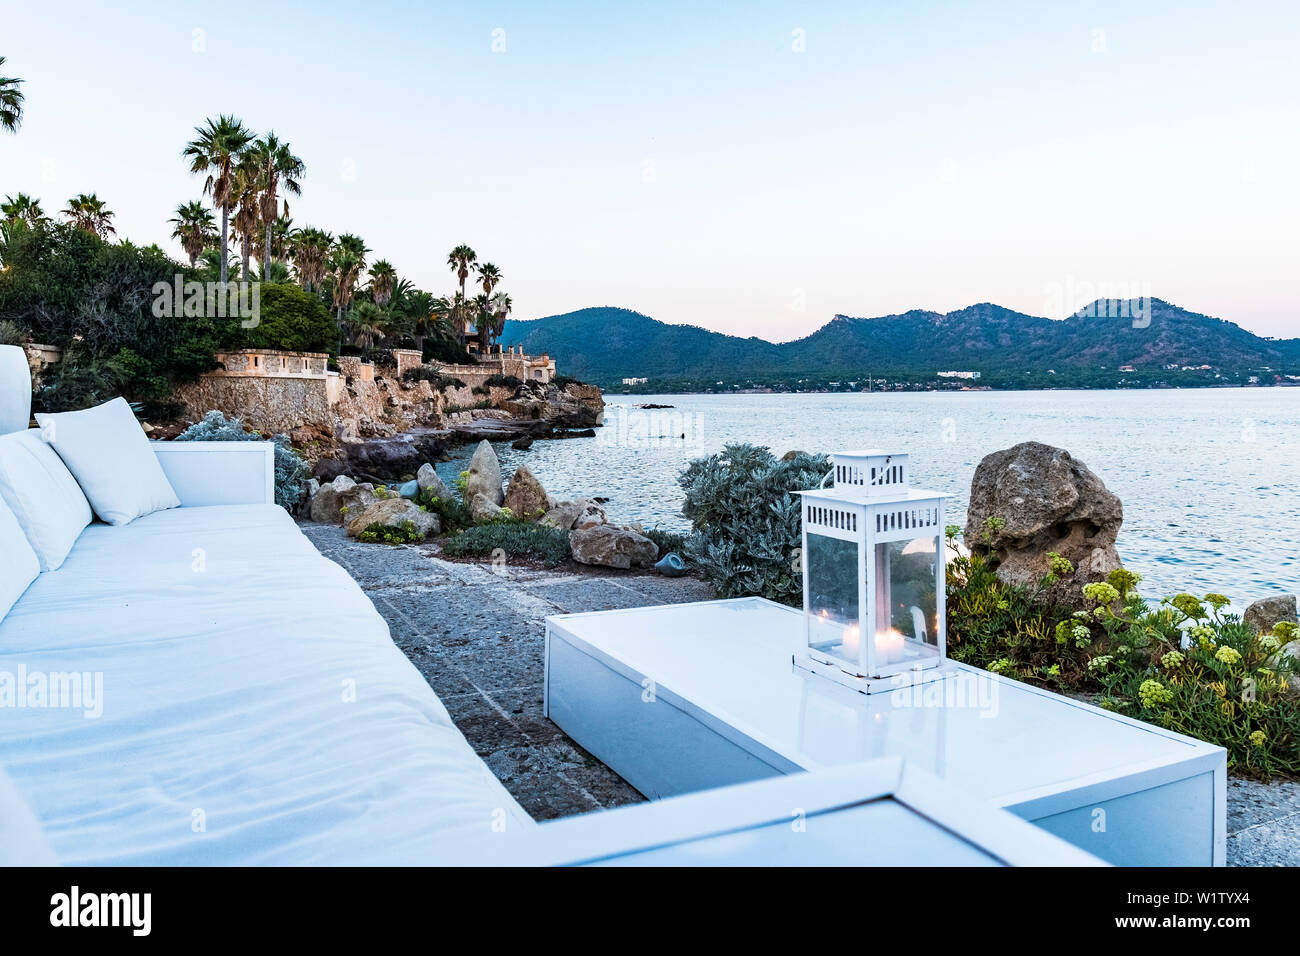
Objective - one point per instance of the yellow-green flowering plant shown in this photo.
(1190, 665)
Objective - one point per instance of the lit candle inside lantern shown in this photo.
(889, 647)
(852, 642)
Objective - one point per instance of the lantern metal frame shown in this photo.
(870, 503)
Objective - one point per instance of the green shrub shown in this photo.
(291, 472)
(1007, 629)
(452, 513)
(291, 319)
(667, 540)
(1228, 686)
(503, 381)
(436, 379)
(517, 539)
(11, 333)
(380, 533)
(95, 299)
(745, 521)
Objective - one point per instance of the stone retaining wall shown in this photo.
(270, 404)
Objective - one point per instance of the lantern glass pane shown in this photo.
(832, 576)
(907, 618)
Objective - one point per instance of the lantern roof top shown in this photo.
(903, 494)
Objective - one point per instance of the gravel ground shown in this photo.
(476, 634)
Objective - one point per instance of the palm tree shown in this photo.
(195, 228)
(276, 167)
(368, 324)
(246, 191)
(309, 249)
(501, 306)
(87, 211)
(488, 275)
(382, 277)
(23, 208)
(214, 151)
(280, 239)
(11, 102)
(459, 260)
(349, 261)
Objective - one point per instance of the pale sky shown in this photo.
(753, 168)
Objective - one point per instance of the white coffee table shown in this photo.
(688, 697)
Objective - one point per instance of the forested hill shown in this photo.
(606, 344)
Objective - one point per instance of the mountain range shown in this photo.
(606, 344)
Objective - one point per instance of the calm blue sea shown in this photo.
(1210, 478)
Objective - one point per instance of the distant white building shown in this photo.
(634, 381)
(970, 375)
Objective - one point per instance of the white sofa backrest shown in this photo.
(15, 390)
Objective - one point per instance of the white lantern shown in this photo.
(873, 576)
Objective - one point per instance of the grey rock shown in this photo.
(409, 489)
(1049, 501)
(525, 495)
(612, 547)
(395, 513)
(330, 501)
(566, 514)
(485, 475)
(483, 508)
(427, 479)
(1261, 615)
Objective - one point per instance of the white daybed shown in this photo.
(253, 710)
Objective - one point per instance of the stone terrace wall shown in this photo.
(270, 404)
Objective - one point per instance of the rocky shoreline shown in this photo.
(378, 453)
(422, 506)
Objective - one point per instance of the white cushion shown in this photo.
(18, 564)
(43, 496)
(109, 455)
(22, 841)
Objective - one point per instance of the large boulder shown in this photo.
(483, 508)
(612, 547)
(335, 501)
(427, 480)
(484, 475)
(570, 514)
(525, 496)
(1047, 501)
(394, 513)
(1261, 615)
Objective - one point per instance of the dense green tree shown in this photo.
(291, 319)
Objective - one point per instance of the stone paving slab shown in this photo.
(477, 634)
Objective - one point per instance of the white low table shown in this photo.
(879, 813)
(689, 697)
